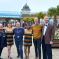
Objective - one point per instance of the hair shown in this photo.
(17, 22)
(9, 23)
(28, 25)
(35, 17)
(1, 24)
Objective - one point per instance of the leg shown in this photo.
(10, 46)
(44, 50)
(21, 48)
(28, 50)
(1, 50)
(39, 47)
(49, 51)
(25, 51)
(17, 46)
(9, 49)
(35, 45)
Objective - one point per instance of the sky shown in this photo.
(35, 5)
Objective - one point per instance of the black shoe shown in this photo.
(10, 57)
(21, 58)
(1, 58)
(18, 57)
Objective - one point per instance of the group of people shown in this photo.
(41, 34)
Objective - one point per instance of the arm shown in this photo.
(41, 32)
(13, 31)
(52, 34)
(23, 32)
(32, 29)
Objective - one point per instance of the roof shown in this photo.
(25, 7)
(10, 14)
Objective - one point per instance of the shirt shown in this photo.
(18, 34)
(45, 27)
(37, 31)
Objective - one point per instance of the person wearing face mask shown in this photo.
(9, 37)
(3, 42)
(18, 31)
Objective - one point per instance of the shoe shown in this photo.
(28, 57)
(18, 57)
(36, 57)
(1, 58)
(10, 57)
(21, 58)
(25, 57)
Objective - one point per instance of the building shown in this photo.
(25, 11)
(8, 15)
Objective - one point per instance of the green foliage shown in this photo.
(58, 10)
(26, 19)
(56, 36)
(32, 19)
(52, 12)
(29, 19)
(40, 15)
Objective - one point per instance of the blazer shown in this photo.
(49, 34)
(3, 39)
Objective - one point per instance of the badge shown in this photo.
(18, 36)
(3, 36)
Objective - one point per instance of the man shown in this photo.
(19, 40)
(47, 39)
(1, 22)
(3, 42)
(36, 28)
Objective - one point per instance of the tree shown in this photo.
(58, 10)
(26, 19)
(53, 12)
(29, 19)
(40, 15)
(32, 19)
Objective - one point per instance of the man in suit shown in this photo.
(47, 38)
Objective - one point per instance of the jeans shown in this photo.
(1, 48)
(19, 45)
(37, 45)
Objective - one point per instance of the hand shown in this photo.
(51, 43)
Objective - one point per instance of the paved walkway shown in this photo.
(32, 53)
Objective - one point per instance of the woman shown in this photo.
(27, 40)
(9, 35)
(2, 39)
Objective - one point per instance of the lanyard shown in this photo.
(1, 31)
(18, 31)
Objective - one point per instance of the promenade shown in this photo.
(55, 52)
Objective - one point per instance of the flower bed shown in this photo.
(56, 41)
